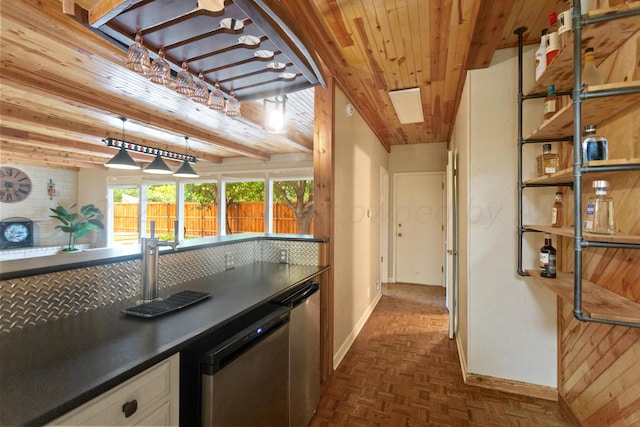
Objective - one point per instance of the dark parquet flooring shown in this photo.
(403, 370)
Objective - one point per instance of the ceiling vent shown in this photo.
(408, 105)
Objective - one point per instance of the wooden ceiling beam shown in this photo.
(122, 107)
(42, 152)
(487, 32)
(29, 123)
(105, 10)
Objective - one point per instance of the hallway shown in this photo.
(402, 370)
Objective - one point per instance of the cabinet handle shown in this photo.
(130, 408)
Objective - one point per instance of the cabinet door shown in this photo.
(150, 398)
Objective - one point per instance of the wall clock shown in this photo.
(15, 185)
(16, 233)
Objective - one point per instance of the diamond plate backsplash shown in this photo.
(33, 300)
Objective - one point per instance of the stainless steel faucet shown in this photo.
(150, 262)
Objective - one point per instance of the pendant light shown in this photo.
(158, 166)
(186, 171)
(122, 160)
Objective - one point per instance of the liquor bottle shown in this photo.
(594, 147)
(547, 162)
(541, 56)
(553, 44)
(599, 216)
(565, 25)
(547, 258)
(590, 74)
(551, 103)
(557, 211)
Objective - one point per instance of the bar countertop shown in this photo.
(50, 369)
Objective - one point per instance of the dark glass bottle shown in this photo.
(547, 258)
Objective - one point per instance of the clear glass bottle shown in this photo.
(591, 76)
(557, 211)
(552, 103)
(594, 147)
(548, 258)
(599, 215)
(541, 56)
(553, 44)
(547, 162)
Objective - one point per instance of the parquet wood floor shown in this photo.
(403, 370)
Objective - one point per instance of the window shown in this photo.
(160, 207)
(200, 210)
(124, 224)
(244, 207)
(292, 206)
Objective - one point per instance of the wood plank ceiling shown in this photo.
(64, 86)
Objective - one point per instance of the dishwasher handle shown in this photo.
(300, 296)
(223, 354)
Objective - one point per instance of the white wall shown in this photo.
(511, 321)
(418, 157)
(358, 157)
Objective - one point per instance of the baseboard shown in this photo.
(512, 386)
(501, 384)
(462, 358)
(346, 345)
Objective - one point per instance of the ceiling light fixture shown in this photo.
(158, 166)
(408, 105)
(186, 171)
(122, 160)
(275, 114)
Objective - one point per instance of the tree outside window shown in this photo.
(297, 197)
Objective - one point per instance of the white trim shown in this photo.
(346, 345)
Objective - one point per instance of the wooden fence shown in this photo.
(242, 217)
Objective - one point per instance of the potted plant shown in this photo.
(77, 224)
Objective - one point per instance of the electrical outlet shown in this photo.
(229, 260)
(378, 286)
(284, 256)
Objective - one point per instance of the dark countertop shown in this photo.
(48, 370)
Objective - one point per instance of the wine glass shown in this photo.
(160, 71)
(216, 98)
(233, 106)
(138, 56)
(184, 81)
(201, 90)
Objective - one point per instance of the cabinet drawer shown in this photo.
(155, 392)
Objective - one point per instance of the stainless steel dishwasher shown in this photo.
(304, 350)
(245, 379)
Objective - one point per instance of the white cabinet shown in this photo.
(151, 398)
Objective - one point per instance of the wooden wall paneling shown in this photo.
(598, 378)
(323, 211)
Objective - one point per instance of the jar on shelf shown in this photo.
(599, 215)
(594, 147)
(547, 162)
(557, 211)
(552, 103)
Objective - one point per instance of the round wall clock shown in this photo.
(15, 185)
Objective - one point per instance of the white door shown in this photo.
(419, 227)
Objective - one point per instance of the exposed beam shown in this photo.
(487, 32)
(104, 10)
